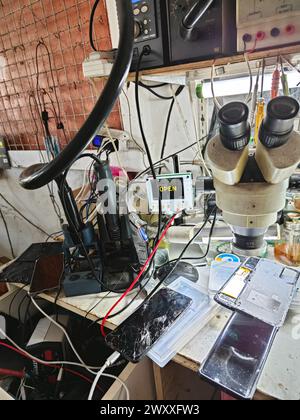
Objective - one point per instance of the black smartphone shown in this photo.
(48, 274)
(237, 359)
(134, 338)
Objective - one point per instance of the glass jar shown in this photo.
(287, 250)
(296, 201)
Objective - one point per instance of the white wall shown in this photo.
(35, 205)
(154, 116)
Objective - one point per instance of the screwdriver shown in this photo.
(284, 80)
(260, 112)
(275, 83)
(254, 99)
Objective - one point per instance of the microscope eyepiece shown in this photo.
(234, 127)
(279, 122)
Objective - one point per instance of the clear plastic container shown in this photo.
(220, 273)
(287, 250)
(182, 332)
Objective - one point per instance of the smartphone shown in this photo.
(237, 359)
(237, 283)
(261, 288)
(47, 275)
(134, 338)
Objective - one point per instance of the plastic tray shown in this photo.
(182, 332)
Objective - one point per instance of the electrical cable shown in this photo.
(149, 89)
(8, 235)
(133, 299)
(109, 362)
(177, 93)
(136, 280)
(156, 86)
(91, 25)
(13, 299)
(137, 100)
(185, 250)
(58, 114)
(139, 175)
(213, 123)
(146, 51)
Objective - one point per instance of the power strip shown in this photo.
(95, 66)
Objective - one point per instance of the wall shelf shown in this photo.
(179, 70)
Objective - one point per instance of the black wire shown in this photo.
(13, 299)
(156, 86)
(137, 100)
(20, 306)
(55, 302)
(8, 235)
(165, 98)
(213, 123)
(91, 25)
(178, 92)
(138, 108)
(185, 250)
(163, 148)
(169, 157)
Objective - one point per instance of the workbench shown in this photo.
(280, 378)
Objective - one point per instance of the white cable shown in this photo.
(110, 361)
(108, 375)
(65, 333)
(95, 383)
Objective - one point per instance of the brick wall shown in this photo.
(42, 46)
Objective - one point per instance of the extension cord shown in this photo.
(95, 66)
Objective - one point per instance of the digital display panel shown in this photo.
(168, 189)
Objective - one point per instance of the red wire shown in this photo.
(138, 277)
(254, 47)
(73, 372)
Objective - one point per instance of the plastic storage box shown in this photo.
(182, 332)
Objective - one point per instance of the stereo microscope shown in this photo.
(251, 185)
